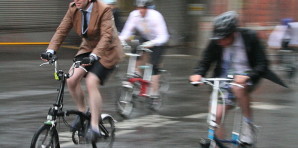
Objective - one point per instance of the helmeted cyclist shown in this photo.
(99, 51)
(235, 51)
(151, 27)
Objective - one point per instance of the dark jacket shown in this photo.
(117, 17)
(255, 53)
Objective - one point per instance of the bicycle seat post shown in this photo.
(147, 72)
(131, 64)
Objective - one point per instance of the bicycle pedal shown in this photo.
(205, 143)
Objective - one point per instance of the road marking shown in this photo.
(145, 121)
(267, 106)
(15, 94)
(197, 116)
(24, 43)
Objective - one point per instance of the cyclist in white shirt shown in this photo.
(151, 27)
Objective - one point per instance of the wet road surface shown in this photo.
(28, 90)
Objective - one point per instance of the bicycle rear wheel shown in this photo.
(124, 102)
(45, 137)
(107, 126)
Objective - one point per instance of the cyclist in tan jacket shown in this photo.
(100, 51)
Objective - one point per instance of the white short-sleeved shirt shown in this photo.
(151, 27)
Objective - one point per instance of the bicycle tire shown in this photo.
(164, 81)
(107, 140)
(46, 136)
(124, 102)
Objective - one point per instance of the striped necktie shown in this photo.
(85, 23)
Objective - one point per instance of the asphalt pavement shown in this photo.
(28, 90)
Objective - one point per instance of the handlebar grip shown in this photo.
(46, 55)
(49, 56)
(196, 83)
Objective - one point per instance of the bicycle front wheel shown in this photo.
(125, 102)
(45, 137)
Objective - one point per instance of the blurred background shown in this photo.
(27, 90)
(189, 21)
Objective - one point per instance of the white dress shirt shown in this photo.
(235, 59)
(152, 27)
(293, 34)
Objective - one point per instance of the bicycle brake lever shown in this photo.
(238, 85)
(83, 68)
(44, 63)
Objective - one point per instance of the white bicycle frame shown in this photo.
(211, 120)
(132, 65)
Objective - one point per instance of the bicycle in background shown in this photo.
(47, 135)
(216, 94)
(288, 63)
(136, 86)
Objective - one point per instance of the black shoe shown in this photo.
(92, 135)
(246, 145)
(76, 124)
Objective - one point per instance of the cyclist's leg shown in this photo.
(96, 75)
(220, 131)
(247, 135)
(95, 99)
(155, 59)
(243, 99)
(74, 84)
(75, 90)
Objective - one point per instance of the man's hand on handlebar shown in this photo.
(87, 61)
(46, 56)
(148, 44)
(195, 78)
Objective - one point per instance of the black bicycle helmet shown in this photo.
(143, 3)
(224, 25)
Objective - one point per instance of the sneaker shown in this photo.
(247, 133)
(92, 135)
(156, 102)
(76, 124)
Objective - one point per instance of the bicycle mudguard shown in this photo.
(103, 116)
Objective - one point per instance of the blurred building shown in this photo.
(189, 21)
(31, 15)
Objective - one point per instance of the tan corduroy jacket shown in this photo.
(102, 34)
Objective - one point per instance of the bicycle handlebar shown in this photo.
(53, 60)
(215, 83)
(210, 80)
(142, 48)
